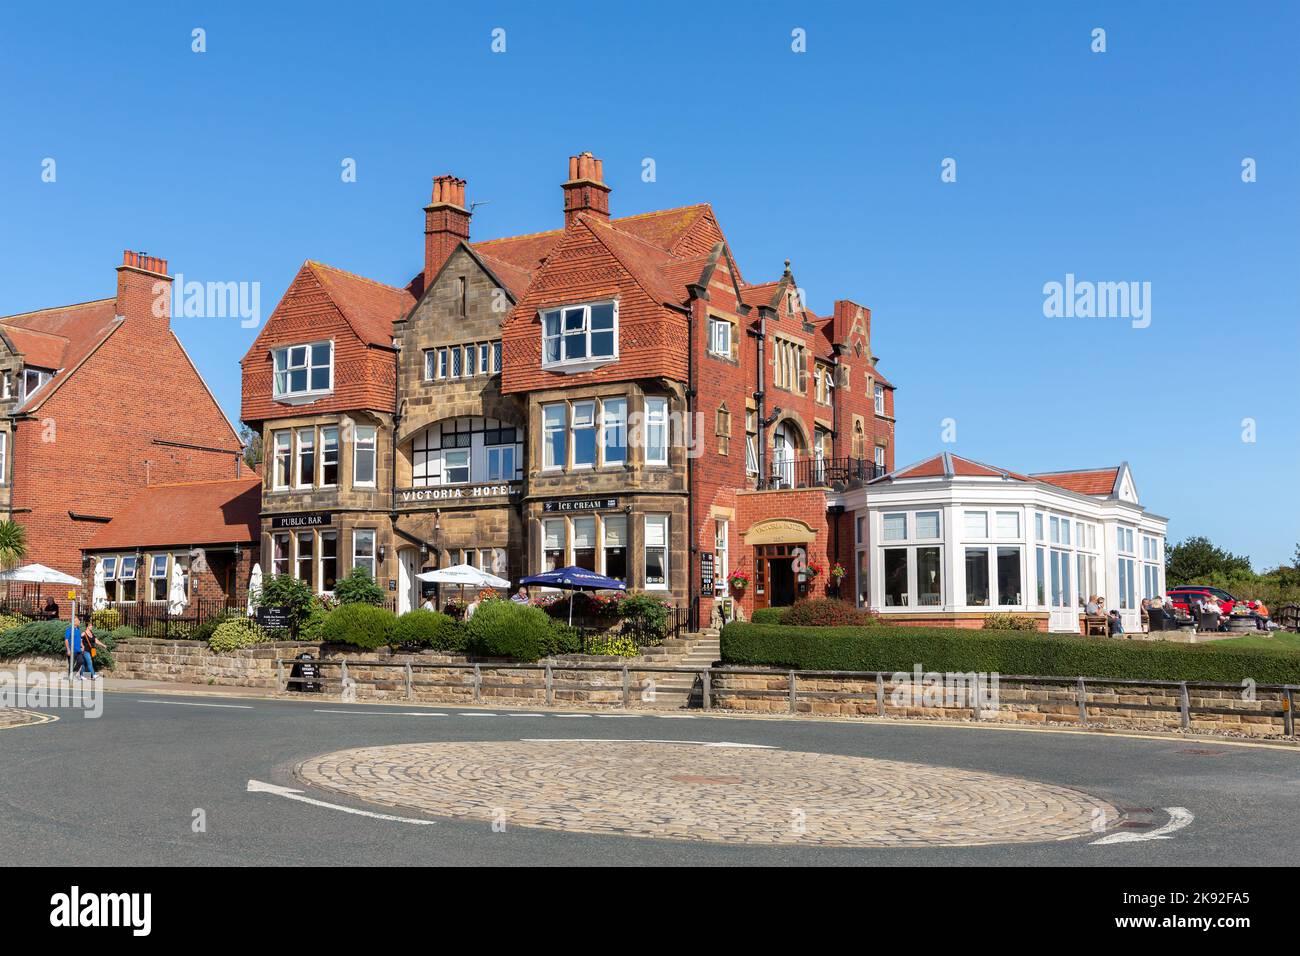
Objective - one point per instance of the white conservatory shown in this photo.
(948, 540)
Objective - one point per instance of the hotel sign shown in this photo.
(302, 519)
(568, 505)
(406, 497)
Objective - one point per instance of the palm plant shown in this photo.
(13, 544)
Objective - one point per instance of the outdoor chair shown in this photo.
(1207, 622)
(1094, 625)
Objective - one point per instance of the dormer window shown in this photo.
(304, 370)
(33, 380)
(580, 336)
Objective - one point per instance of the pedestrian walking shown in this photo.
(72, 645)
(89, 648)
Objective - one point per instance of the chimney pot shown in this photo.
(446, 224)
(585, 192)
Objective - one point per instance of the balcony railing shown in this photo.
(834, 473)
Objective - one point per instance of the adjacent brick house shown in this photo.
(612, 394)
(100, 399)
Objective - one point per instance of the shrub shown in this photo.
(309, 628)
(646, 613)
(358, 588)
(824, 612)
(767, 615)
(9, 621)
(613, 646)
(1006, 621)
(287, 592)
(236, 632)
(1013, 653)
(42, 638)
(361, 625)
(505, 629)
(106, 619)
(428, 629)
(205, 630)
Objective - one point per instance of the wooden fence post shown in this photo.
(793, 692)
(880, 695)
(1083, 702)
(478, 684)
(627, 688)
(707, 681)
(408, 680)
(1184, 705)
(550, 685)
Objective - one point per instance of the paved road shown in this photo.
(122, 789)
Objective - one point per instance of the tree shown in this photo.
(1194, 560)
(13, 544)
(252, 442)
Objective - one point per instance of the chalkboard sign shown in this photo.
(273, 617)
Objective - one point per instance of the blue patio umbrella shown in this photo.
(575, 579)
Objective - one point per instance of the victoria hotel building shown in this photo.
(611, 393)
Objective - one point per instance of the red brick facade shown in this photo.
(126, 408)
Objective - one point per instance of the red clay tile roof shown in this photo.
(370, 307)
(187, 513)
(762, 294)
(1091, 481)
(948, 465)
(40, 349)
(60, 337)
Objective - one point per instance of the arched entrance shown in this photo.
(777, 543)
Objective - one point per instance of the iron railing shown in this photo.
(834, 473)
(156, 619)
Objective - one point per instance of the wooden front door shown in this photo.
(775, 583)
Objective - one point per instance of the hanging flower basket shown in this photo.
(738, 580)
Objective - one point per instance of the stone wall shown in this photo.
(1020, 703)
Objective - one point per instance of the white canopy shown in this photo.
(465, 575)
(39, 574)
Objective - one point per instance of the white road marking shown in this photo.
(1179, 817)
(676, 716)
(186, 703)
(383, 713)
(571, 715)
(525, 715)
(475, 713)
(640, 740)
(257, 786)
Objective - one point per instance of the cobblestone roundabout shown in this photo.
(684, 791)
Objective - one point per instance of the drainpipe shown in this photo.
(693, 533)
(760, 397)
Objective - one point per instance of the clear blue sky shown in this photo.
(1122, 166)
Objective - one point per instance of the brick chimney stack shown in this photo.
(144, 289)
(586, 190)
(446, 224)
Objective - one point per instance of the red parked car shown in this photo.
(1182, 596)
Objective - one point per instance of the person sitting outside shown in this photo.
(51, 612)
(1260, 613)
(1208, 615)
(1113, 624)
(520, 596)
(1158, 616)
(1093, 607)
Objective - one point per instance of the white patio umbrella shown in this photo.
(176, 597)
(465, 575)
(39, 574)
(99, 596)
(254, 587)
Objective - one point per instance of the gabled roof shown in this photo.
(369, 307)
(1086, 481)
(186, 513)
(948, 465)
(59, 338)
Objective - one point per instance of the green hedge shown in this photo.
(767, 615)
(422, 628)
(893, 649)
(45, 639)
(506, 629)
(361, 625)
